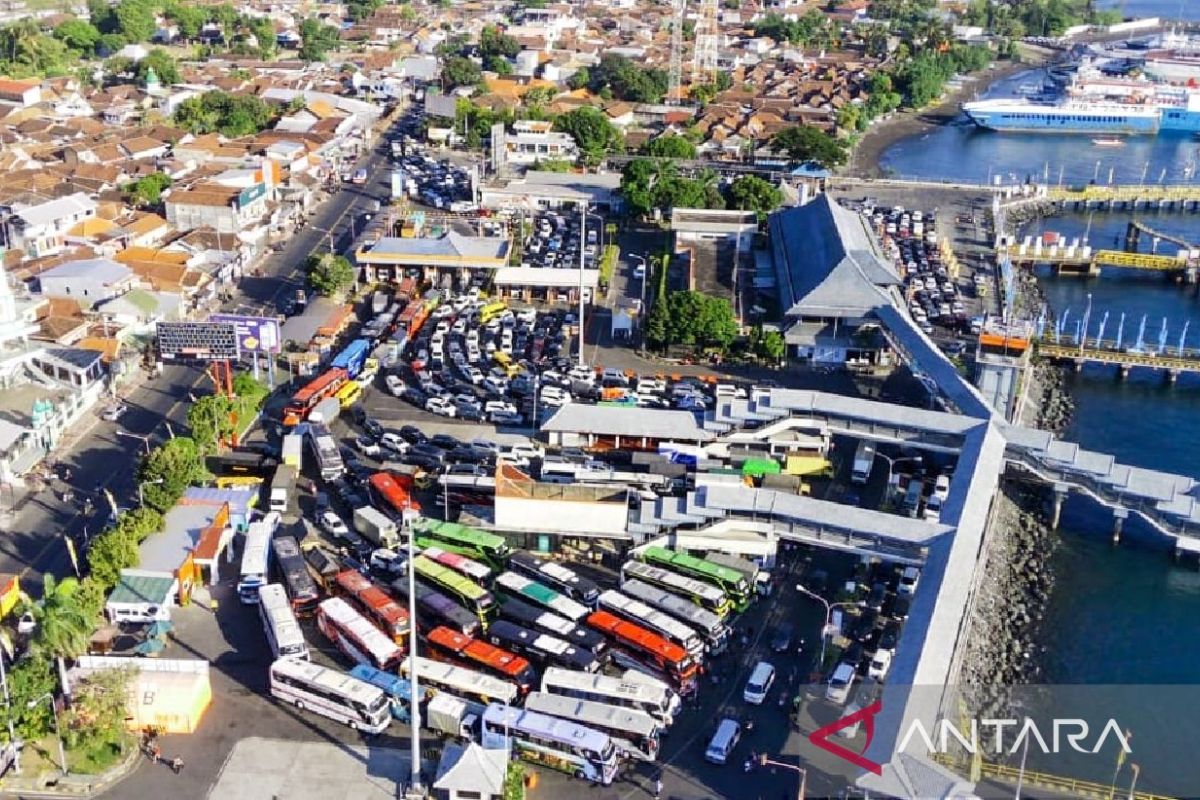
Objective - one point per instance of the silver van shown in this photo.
(759, 684)
(723, 741)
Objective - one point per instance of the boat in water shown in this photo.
(1095, 103)
(1108, 142)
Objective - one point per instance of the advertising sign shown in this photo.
(254, 334)
(197, 341)
(250, 194)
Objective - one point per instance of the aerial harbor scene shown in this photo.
(632, 400)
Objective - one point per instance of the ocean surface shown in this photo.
(1164, 9)
(1126, 614)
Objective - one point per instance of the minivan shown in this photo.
(840, 683)
(759, 684)
(729, 731)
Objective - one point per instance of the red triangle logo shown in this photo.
(820, 737)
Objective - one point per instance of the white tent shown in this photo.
(471, 771)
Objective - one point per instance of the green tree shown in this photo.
(594, 135)
(808, 144)
(554, 165)
(701, 320)
(233, 115)
(102, 14)
(627, 80)
(178, 463)
(752, 193)
(580, 79)
(146, 191)
(109, 552)
(244, 385)
(99, 707)
(135, 20)
(330, 274)
(63, 629)
(499, 65)
(362, 9)
(78, 34)
(671, 145)
(211, 421)
(27, 52)
(317, 38)
(772, 347)
(458, 71)
(28, 680)
(264, 33)
(493, 42)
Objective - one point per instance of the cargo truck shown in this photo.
(282, 498)
(453, 716)
(293, 450)
(377, 527)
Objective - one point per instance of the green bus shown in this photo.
(466, 541)
(757, 467)
(732, 582)
(479, 601)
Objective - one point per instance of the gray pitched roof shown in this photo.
(827, 261)
(626, 421)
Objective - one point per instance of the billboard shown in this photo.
(254, 334)
(250, 194)
(197, 341)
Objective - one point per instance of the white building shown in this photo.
(534, 140)
(40, 229)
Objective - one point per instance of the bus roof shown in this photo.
(657, 692)
(458, 679)
(332, 679)
(684, 583)
(448, 578)
(546, 727)
(589, 712)
(636, 635)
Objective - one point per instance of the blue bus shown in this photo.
(353, 357)
(397, 689)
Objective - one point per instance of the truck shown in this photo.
(912, 496)
(786, 483)
(293, 450)
(282, 497)
(377, 527)
(864, 458)
(326, 411)
(453, 716)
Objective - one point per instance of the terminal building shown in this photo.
(450, 260)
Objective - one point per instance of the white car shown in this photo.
(526, 451)
(584, 374)
(554, 396)
(908, 581)
(393, 442)
(367, 377)
(459, 326)
(334, 525)
(495, 384)
(368, 446)
(729, 390)
(881, 662)
(499, 407)
(114, 412)
(395, 385)
(441, 406)
(651, 386)
(475, 375)
(941, 487)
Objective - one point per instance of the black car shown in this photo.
(428, 451)
(444, 441)
(358, 414)
(421, 460)
(415, 396)
(468, 454)
(853, 655)
(864, 624)
(876, 597)
(781, 640)
(890, 635)
(470, 413)
(412, 434)
(466, 469)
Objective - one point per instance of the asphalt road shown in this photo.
(104, 455)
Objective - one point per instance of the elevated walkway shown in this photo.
(1085, 261)
(1124, 359)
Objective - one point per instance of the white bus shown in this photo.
(462, 682)
(256, 557)
(655, 699)
(702, 594)
(634, 732)
(279, 623)
(664, 625)
(330, 693)
(703, 621)
(566, 746)
(357, 638)
(325, 452)
(531, 591)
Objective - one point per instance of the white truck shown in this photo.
(282, 496)
(453, 716)
(326, 411)
(376, 527)
(293, 450)
(864, 458)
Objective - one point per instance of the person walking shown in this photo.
(176, 765)
(155, 751)
(658, 787)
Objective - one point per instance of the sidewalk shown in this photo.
(54, 784)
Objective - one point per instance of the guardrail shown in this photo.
(1044, 780)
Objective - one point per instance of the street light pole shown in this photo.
(764, 761)
(892, 462)
(62, 752)
(414, 699)
(583, 215)
(829, 607)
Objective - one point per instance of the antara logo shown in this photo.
(1064, 735)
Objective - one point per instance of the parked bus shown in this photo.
(557, 577)
(478, 600)
(634, 647)
(398, 690)
(521, 588)
(634, 732)
(653, 698)
(322, 387)
(352, 357)
(279, 623)
(325, 452)
(539, 619)
(330, 693)
(349, 394)
(256, 556)
(447, 645)
(374, 603)
(435, 608)
(471, 542)
(666, 626)
(243, 464)
(395, 492)
(705, 622)
(357, 638)
(543, 648)
(730, 581)
(442, 677)
(293, 573)
(757, 578)
(556, 743)
(475, 570)
(702, 594)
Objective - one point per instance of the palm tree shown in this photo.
(63, 628)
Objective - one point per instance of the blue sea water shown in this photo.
(1121, 614)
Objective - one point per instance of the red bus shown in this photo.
(323, 386)
(396, 491)
(447, 645)
(413, 317)
(407, 289)
(635, 647)
(374, 603)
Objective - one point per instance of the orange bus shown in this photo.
(323, 386)
(634, 647)
(413, 317)
(373, 603)
(447, 645)
(396, 491)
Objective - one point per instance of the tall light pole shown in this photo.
(829, 607)
(892, 462)
(414, 700)
(62, 752)
(583, 215)
(141, 498)
(764, 761)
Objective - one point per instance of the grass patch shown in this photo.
(608, 263)
(96, 757)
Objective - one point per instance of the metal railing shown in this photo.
(1044, 780)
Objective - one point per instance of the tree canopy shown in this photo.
(330, 274)
(460, 71)
(169, 469)
(233, 115)
(656, 184)
(494, 42)
(316, 39)
(808, 144)
(146, 191)
(163, 65)
(623, 79)
(812, 29)
(752, 193)
(671, 145)
(79, 35)
(594, 135)
(700, 319)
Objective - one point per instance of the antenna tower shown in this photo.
(704, 60)
(675, 69)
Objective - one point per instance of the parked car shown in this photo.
(334, 525)
(442, 406)
(368, 446)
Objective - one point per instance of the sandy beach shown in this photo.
(864, 162)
